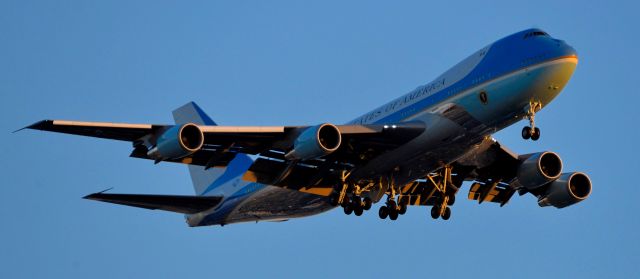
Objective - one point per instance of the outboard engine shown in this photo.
(315, 142)
(569, 189)
(177, 142)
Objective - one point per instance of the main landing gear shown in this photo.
(439, 191)
(349, 198)
(392, 210)
(447, 190)
(532, 132)
(356, 205)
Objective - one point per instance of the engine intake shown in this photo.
(177, 142)
(316, 141)
(569, 189)
(538, 169)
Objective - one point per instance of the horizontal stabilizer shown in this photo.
(180, 204)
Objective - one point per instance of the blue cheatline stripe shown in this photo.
(462, 86)
(501, 59)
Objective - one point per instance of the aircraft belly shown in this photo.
(275, 203)
(440, 133)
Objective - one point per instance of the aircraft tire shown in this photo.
(393, 214)
(447, 214)
(356, 202)
(383, 212)
(535, 135)
(526, 132)
(403, 209)
(358, 211)
(435, 212)
(367, 203)
(348, 209)
(391, 205)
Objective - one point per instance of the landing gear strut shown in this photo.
(441, 193)
(392, 209)
(350, 198)
(447, 198)
(532, 132)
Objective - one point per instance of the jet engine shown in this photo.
(569, 189)
(538, 169)
(314, 142)
(177, 142)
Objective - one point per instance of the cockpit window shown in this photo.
(535, 34)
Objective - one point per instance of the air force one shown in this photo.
(416, 150)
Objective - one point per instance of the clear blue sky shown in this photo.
(295, 62)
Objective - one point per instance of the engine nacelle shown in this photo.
(569, 189)
(539, 169)
(314, 142)
(177, 142)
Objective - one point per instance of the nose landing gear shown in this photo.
(532, 132)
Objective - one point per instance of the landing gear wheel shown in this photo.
(392, 205)
(435, 212)
(535, 135)
(358, 210)
(447, 214)
(526, 132)
(403, 209)
(393, 214)
(348, 209)
(367, 203)
(355, 202)
(383, 212)
(452, 199)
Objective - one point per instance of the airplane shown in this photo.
(416, 150)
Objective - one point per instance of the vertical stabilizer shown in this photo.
(206, 182)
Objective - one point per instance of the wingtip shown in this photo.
(94, 196)
(19, 130)
(35, 126)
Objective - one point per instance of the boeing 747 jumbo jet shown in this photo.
(416, 150)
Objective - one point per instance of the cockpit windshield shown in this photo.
(535, 34)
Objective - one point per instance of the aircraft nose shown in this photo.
(565, 50)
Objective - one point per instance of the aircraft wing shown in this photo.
(494, 167)
(490, 165)
(115, 131)
(180, 204)
(221, 143)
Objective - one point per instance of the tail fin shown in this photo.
(204, 181)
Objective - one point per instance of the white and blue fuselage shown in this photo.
(489, 90)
